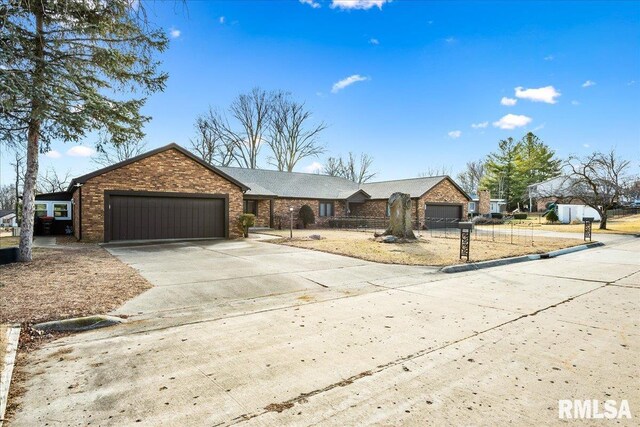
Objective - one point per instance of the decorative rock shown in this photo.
(389, 239)
(400, 224)
(315, 237)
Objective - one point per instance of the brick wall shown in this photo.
(167, 171)
(264, 213)
(281, 211)
(484, 202)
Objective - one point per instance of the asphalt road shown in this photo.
(246, 332)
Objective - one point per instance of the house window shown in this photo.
(472, 206)
(62, 210)
(326, 209)
(41, 210)
(251, 207)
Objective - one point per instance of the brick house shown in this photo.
(169, 193)
(437, 201)
(165, 193)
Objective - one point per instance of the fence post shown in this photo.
(512, 233)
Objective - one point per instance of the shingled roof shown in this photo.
(264, 182)
(415, 187)
(270, 183)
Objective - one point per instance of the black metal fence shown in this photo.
(496, 230)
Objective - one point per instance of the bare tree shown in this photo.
(52, 182)
(469, 179)
(358, 171)
(333, 166)
(212, 143)
(597, 180)
(291, 137)
(444, 170)
(109, 153)
(8, 197)
(252, 112)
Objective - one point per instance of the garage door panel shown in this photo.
(442, 215)
(134, 217)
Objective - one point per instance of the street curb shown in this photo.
(13, 335)
(460, 268)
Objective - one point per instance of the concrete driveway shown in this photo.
(245, 332)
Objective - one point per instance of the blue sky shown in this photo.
(433, 84)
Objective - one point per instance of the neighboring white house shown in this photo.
(8, 218)
(495, 205)
(568, 213)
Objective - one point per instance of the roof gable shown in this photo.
(84, 178)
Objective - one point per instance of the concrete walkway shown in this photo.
(252, 333)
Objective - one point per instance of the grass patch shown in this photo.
(435, 251)
(620, 225)
(64, 283)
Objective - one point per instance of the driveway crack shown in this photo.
(303, 397)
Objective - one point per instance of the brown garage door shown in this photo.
(442, 215)
(134, 217)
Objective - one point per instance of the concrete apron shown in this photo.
(489, 347)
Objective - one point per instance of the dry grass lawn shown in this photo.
(436, 251)
(6, 241)
(64, 283)
(621, 225)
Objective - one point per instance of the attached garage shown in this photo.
(442, 215)
(148, 216)
(167, 193)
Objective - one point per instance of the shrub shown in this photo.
(482, 220)
(520, 216)
(552, 216)
(306, 215)
(245, 221)
(496, 215)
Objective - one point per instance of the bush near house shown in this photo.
(520, 216)
(245, 221)
(552, 216)
(306, 215)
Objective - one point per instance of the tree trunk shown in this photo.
(603, 221)
(33, 145)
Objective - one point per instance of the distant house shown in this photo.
(169, 193)
(482, 207)
(8, 218)
(554, 190)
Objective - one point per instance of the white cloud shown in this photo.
(546, 94)
(222, 20)
(358, 4)
(631, 83)
(374, 41)
(480, 125)
(430, 22)
(451, 40)
(586, 145)
(311, 3)
(338, 86)
(509, 102)
(53, 154)
(512, 121)
(174, 33)
(455, 134)
(588, 83)
(537, 128)
(80, 151)
(549, 58)
(313, 167)
(574, 102)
